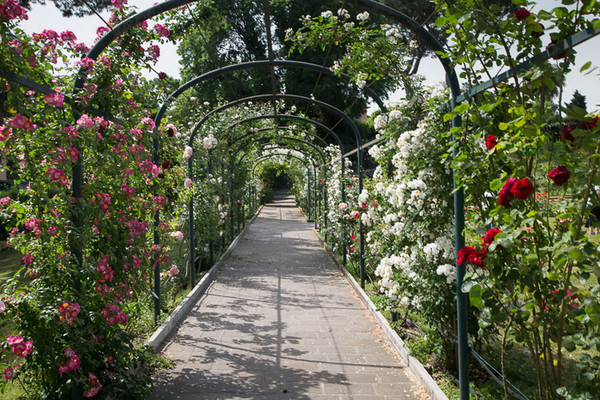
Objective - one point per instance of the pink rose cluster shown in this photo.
(119, 4)
(67, 312)
(20, 347)
(162, 30)
(71, 364)
(11, 9)
(113, 315)
(95, 386)
(21, 122)
(106, 272)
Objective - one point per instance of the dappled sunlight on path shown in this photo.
(280, 322)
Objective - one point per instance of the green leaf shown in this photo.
(577, 255)
(475, 296)
(553, 276)
(441, 21)
(449, 116)
(503, 126)
(495, 184)
(520, 122)
(585, 66)
(461, 108)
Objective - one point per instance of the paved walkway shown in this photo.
(280, 322)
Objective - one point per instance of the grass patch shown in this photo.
(10, 263)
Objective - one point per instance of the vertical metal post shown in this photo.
(223, 200)
(461, 298)
(360, 225)
(315, 206)
(343, 233)
(325, 203)
(77, 247)
(211, 242)
(308, 184)
(231, 200)
(156, 238)
(192, 238)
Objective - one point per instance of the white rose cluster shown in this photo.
(209, 141)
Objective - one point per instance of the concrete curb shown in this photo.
(415, 365)
(157, 338)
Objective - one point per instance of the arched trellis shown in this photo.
(328, 107)
(317, 124)
(279, 146)
(452, 81)
(266, 157)
(303, 119)
(257, 64)
(554, 50)
(323, 169)
(315, 136)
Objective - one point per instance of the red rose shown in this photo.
(522, 188)
(171, 131)
(560, 175)
(522, 14)
(565, 134)
(471, 255)
(490, 142)
(162, 75)
(505, 196)
(590, 124)
(166, 164)
(489, 236)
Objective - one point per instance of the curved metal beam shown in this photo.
(257, 64)
(289, 128)
(283, 96)
(290, 116)
(319, 151)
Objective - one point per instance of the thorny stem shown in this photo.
(503, 356)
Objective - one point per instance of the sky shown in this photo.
(48, 17)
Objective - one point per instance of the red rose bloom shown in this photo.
(489, 236)
(166, 164)
(171, 131)
(471, 255)
(505, 196)
(565, 134)
(522, 188)
(590, 124)
(560, 175)
(490, 142)
(522, 14)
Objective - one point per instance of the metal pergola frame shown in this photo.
(455, 99)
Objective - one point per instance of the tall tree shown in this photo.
(578, 100)
(69, 8)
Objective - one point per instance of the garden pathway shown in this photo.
(281, 322)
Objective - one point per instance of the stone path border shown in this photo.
(415, 365)
(163, 331)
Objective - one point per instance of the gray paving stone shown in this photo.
(280, 322)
